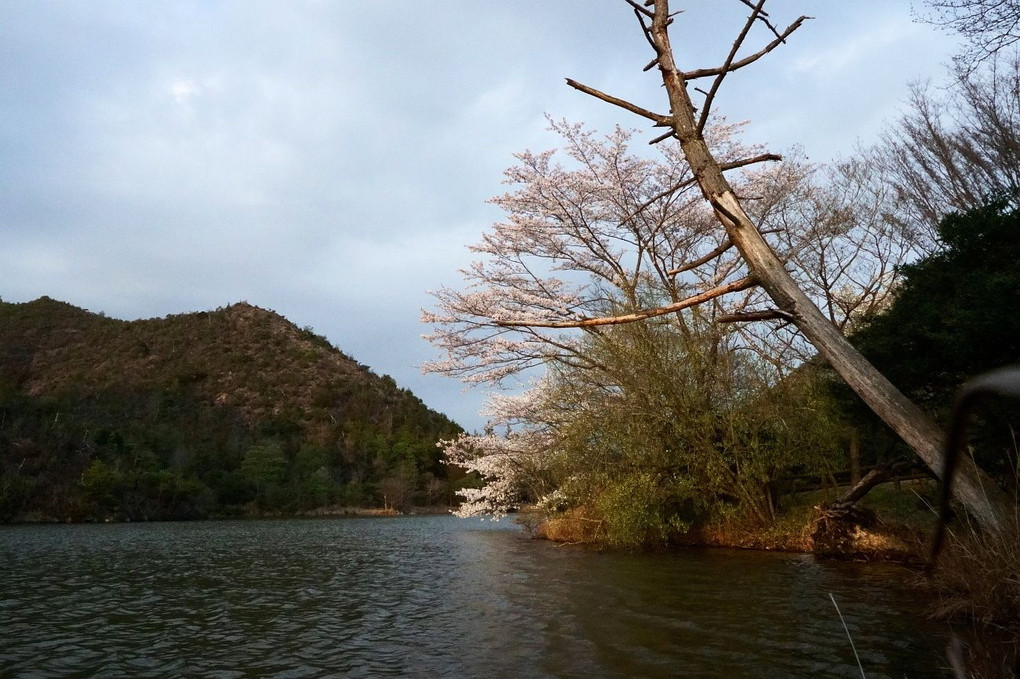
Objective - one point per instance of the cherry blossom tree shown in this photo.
(511, 457)
(573, 261)
(684, 416)
(582, 245)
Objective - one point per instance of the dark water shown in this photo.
(432, 597)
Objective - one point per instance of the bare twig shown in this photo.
(726, 245)
(732, 165)
(743, 162)
(662, 137)
(640, 10)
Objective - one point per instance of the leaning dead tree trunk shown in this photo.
(972, 488)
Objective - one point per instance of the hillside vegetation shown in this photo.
(209, 413)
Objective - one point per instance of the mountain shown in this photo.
(199, 414)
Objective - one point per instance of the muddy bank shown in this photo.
(857, 537)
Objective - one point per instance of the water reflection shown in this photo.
(431, 597)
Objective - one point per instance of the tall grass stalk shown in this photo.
(978, 582)
(840, 614)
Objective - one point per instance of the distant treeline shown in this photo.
(215, 413)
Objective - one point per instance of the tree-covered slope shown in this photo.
(199, 414)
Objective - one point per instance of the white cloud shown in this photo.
(182, 90)
(871, 43)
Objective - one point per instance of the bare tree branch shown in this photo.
(726, 245)
(763, 17)
(640, 10)
(710, 96)
(751, 316)
(711, 72)
(657, 118)
(662, 137)
(744, 162)
(989, 26)
(694, 300)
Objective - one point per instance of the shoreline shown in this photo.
(895, 544)
(245, 515)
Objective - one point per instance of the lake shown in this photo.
(435, 596)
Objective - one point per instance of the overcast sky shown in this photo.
(330, 160)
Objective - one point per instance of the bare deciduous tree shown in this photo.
(989, 26)
(688, 124)
(955, 153)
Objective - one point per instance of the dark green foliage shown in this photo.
(958, 313)
(678, 430)
(195, 415)
(956, 316)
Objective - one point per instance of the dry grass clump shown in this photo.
(892, 543)
(978, 581)
(789, 533)
(575, 526)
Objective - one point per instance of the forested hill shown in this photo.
(200, 414)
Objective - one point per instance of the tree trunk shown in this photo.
(905, 418)
(855, 457)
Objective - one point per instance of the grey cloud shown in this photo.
(328, 160)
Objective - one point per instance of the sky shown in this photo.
(330, 160)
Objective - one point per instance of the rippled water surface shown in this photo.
(433, 597)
